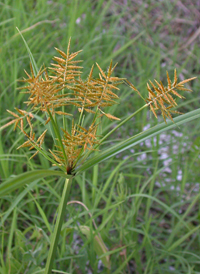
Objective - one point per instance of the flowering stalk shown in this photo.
(58, 225)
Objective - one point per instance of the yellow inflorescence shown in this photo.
(54, 91)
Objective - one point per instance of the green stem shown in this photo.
(58, 225)
(57, 132)
(113, 130)
(120, 124)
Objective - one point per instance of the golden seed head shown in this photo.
(161, 98)
(57, 90)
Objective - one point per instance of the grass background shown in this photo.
(145, 201)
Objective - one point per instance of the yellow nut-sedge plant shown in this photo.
(60, 91)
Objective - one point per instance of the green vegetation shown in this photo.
(133, 203)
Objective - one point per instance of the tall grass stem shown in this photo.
(58, 225)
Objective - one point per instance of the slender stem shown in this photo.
(113, 130)
(58, 225)
(57, 132)
(120, 124)
(63, 90)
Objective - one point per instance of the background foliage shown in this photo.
(145, 201)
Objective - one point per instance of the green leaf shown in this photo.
(17, 200)
(32, 60)
(183, 238)
(42, 213)
(24, 178)
(141, 137)
(57, 132)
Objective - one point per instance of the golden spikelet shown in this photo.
(66, 69)
(162, 98)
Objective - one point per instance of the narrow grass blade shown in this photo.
(124, 47)
(33, 63)
(57, 132)
(11, 234)
(132, 141)
(169, 209)
(25, 178)
(17, 200)
(182, 239)
(43, 215)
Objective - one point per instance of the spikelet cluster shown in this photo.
(163, 98)
(75, 144)
(52, 91)
(59, 88)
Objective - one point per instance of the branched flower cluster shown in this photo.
(53, 90)
(54, 93)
